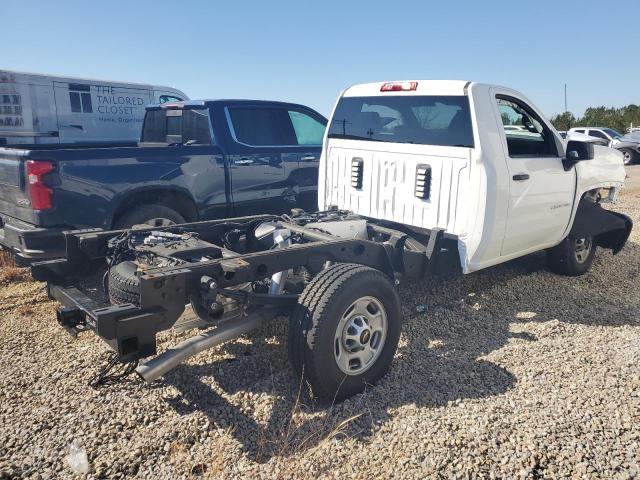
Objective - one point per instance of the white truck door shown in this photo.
(541, 192)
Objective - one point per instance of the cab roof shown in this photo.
(422, 87)
(207, 103)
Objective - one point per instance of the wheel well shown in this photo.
(180, 202)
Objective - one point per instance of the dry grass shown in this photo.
(9, 270)
(209, 465)
(307, 430)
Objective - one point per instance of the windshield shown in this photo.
(186, 127)
(426, 120)
(612, 133)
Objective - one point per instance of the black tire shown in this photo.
(315, 320)
(564, 258)
(124, 285)
(154, 215)
(629, 156)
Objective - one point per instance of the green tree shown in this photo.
(564, 121)
(619, 119)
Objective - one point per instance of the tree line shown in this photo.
(619, 119)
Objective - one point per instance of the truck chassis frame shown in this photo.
(131, 329)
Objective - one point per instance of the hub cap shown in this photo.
(360, 336)
(581, 249)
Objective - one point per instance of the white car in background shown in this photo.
(628, 145)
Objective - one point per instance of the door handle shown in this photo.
(244, 161)
(308, 158)
(520, 177)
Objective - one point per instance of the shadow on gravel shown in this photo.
(440, 358)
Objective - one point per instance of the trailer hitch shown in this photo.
(73, 320)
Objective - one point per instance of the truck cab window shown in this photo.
(308, 130)
(526, 134)
(189, 126)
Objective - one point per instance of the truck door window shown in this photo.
(308, 130)
(526, 133)
(262, 126)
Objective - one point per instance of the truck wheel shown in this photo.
(628, 156)
(124, 285)
(572, 257)
(154, 215)
(344, 331)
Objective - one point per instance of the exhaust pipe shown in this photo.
(158, 366)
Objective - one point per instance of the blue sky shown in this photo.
(307, 52)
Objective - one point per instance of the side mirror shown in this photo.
(576, 152)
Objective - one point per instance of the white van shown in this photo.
(38, 108)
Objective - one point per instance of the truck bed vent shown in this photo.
(423, 181)
(356, 172)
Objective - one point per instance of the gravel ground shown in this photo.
(511, 372)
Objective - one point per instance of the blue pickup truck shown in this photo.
(196, 160)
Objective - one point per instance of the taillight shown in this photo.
(41, 194)
(399, 87)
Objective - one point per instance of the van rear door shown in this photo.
(400, 158)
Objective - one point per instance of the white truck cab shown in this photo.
(479, 161)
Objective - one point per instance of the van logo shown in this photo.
(23, 202)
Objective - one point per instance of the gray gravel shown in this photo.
(511, 372)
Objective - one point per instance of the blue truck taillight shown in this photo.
(40, 193)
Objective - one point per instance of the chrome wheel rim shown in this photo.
(626, 156)
(581, 249)
(360, 336)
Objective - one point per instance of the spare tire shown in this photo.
(124, 284)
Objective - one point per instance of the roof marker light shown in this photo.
(399, 87)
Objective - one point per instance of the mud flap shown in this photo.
(609, 229)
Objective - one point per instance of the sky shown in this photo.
(307, 52)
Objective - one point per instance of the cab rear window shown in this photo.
(185, 126)
(425, 120)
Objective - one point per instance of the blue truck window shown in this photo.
(262, 126)
(309, 131)
(192, 125)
